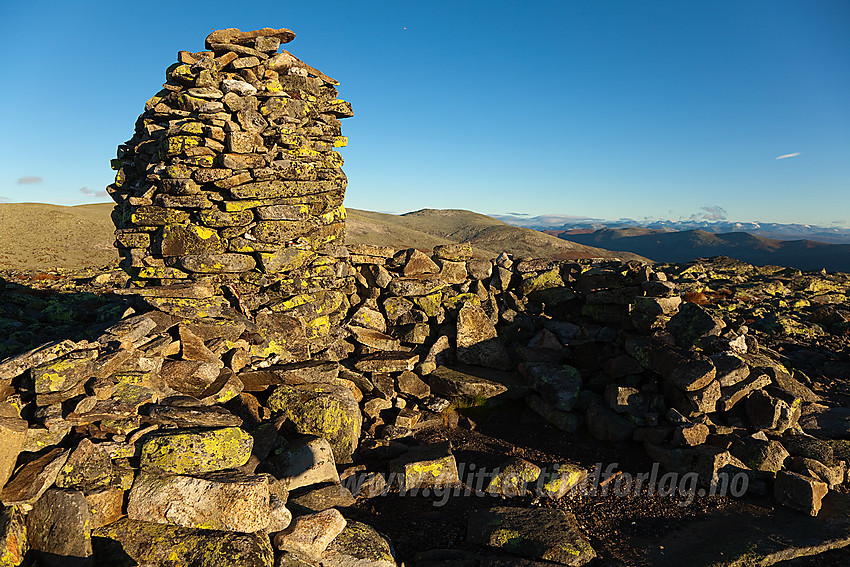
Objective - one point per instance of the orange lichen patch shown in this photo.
(697, 297)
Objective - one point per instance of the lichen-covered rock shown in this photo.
(359, 545)
(477, 340)
(324, 410)
(537, 533)
(128, 542)
(426, 466)
(88, 467)
(59, 528)
(197, 451)
(13, 537)
(513, 478)
(224, 501)
(556, 482)
(311, 534)
(450, 382)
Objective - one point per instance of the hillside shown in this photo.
(683, 246)
(40, 236)
(488, 236)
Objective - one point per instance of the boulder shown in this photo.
(359, 545)
(311, 534)
(452, 383)
(513, 477)
(537, 533)
(305, 462)
(477, 340)
(226, 501)
(559, 384)
(13, 431)
(34, 478)
(160, 545)
(800, 492)
(197, 451)
(58, 528)
(329, 411)
(425, 466)
(13, 537)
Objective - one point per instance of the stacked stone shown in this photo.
(607, 346)
(230, 194)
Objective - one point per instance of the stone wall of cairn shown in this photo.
(230, 193)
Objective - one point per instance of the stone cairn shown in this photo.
(220, 421)
(230, 194)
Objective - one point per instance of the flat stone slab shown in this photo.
(387, 361)
(127, 542)
(826, 423)
(451, 382)
(536, 533)
(758, 536)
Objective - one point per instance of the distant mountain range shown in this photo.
(777, 231)
(686, 245)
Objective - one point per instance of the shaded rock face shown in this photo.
(231, 180)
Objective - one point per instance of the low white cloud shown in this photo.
(786, 156)
(715, 213)
(90, 193)
(29, 180)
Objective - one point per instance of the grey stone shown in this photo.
(58, 528)
(218, 501)
(537, 533)
(800, 492)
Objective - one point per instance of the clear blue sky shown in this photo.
(594, 108)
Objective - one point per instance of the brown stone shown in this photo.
(13, 432)
(34, 478)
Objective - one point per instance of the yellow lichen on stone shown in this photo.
(198, 451)
(504, 538)
(458, 301)
(435, 469)
(318, 327)
(175, 145)
(334, 215)
(238, 206)
(430, 304)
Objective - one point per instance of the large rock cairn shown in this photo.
(230, 194)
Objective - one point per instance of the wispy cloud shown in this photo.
(90, 193)
(715, 213)
(786, 156)
(29, 180)
(4, 199)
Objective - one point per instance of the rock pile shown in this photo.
(267, 369)
(230, 194)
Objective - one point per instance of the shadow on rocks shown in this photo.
(32, 314)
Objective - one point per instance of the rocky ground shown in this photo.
(786, 325)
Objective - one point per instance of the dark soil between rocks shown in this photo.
(622, 529)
